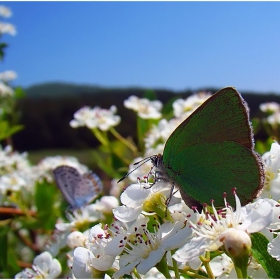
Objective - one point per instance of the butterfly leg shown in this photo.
(158, 177)
(172, 192)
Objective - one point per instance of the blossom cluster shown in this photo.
(18, 174)
(95, 118)
(140, 234)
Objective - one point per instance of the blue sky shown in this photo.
(173, 45)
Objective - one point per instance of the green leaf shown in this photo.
(45, 199)
(4, 247)
(104, 162)
(167, 110)
(143, 126)
(259, 252)
(2, 48)
(3, 128)
(14, 129)
(7, 131)
(8, 258)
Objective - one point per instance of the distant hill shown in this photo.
(48, 108)
(56, 89)
(59, 89)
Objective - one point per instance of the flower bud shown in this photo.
(237, 243)
(76, 239)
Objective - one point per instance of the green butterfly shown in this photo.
(212, 152)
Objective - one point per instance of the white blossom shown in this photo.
(136, 171)
(16, 171)
(145, 108)
(8, 75)
(5, 11)
(274, 119)
(270, 107)
(58, 241)
(133, 199)
(96, 118)
(5, 90)
(272, 178)
(116, 188)
(79, 217)
(149, 247)
(214, 232)
(89, 261)
(7, 28)
(15, 181)
(76, 239)
(183, 108)
(44, 267)
(158, 135)
(106, 204)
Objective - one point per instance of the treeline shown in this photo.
(47, 110)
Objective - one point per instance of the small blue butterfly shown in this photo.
(77, 189)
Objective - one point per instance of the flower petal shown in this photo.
(127, 214)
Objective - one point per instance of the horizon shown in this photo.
(212, 90)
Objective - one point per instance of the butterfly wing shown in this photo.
(212, 152)
(67, 178)
(215, 169)
(88, 189)
(77, 189)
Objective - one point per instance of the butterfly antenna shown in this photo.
(143, 161)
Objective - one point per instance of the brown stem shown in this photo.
(15, 211)
(27, 242)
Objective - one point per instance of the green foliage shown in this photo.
(45, 199)
(8, 256)
(105, 163)
(259, 252)
(4, 248)
(9, 114)
(19, 93)
(6, 130)
(3, 46)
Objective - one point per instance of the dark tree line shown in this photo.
(46, 117)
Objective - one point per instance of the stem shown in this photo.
(15, 211)
(123, 140)
(136, 274)
(9, 141)
(195, 275)
(205, 260)
(27, 242)
(240, 265)
(22, 264)
(175, 267)
(239, 273)
(103, 140)
(163, 268)
(140, 132)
